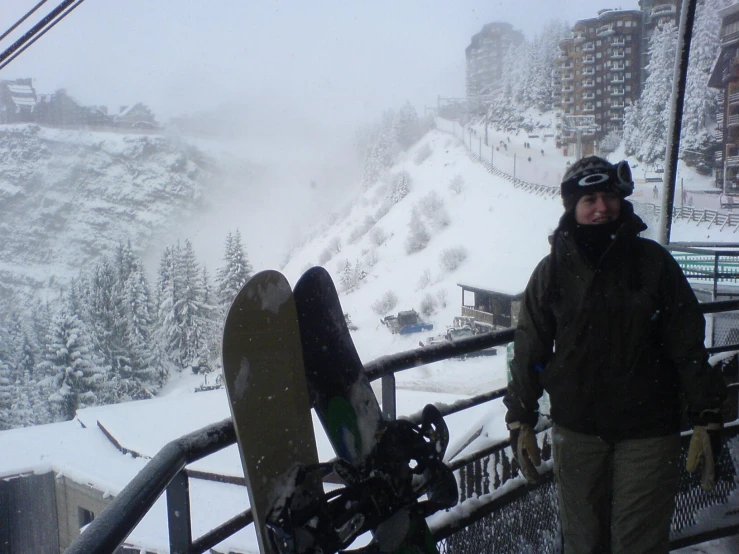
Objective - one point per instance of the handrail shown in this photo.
(108, 531)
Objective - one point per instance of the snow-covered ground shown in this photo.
(501, 230)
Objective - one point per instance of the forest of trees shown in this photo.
(112, 337)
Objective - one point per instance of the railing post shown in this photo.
(389, 407)
(178, 514)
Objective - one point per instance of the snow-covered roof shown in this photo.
(23, 101)
(81, 451)
(20, 89)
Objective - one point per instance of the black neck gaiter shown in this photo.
(593, 240)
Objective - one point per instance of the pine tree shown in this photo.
(138, 378)
(6, 395)
(632, 131)
(701, 102)
(655, 99)
(236, 271)
(72, 370)
(167, 296)
(406, 126)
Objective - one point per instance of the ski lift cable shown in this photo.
(22, 19)
(37, 31)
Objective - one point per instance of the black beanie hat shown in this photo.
(593, 174)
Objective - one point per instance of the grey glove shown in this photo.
(525, 450)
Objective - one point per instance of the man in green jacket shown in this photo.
(611, 329)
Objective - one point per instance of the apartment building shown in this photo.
(484, 57)
(725, 76)
(600, 74)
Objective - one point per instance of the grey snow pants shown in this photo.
(615, 497)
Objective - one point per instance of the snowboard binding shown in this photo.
(407, 463)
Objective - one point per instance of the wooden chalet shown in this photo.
(496, 310)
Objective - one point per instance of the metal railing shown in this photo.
(481, 477)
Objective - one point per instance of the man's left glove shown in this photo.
(705, 447)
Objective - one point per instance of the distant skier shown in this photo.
(655, 192)
(629, 345)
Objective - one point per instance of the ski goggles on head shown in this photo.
(617, 176)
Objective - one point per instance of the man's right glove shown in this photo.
(705, 446)
(525, 450)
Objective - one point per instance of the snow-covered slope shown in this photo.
(69, 196)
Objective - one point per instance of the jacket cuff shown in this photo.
(706, 418)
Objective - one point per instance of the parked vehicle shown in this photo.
(406, 322)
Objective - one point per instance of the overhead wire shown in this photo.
(22, 19)
(37, 31)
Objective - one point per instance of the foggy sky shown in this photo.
(349, 59)
(298, 75)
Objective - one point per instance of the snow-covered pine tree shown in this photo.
(235, 272)
(418, 235)
(29, 406)
(190, 313)
(406, 126)
(632, 129)
(166, 326)
(701, 102)
(140, 377)
(105, 318)
(347, 280)
(654, 103)
(6, 395)
(73, 372)
(383, 147)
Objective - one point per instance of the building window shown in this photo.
(84, 517)
(628, 75)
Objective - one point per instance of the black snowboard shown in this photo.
(393, 462)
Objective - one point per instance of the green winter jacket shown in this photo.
(615, 345)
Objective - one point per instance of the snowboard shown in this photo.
(389, 464)
(266, 387)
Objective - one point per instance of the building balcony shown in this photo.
(568, 77)
(617, 79)
(567, 101)
(588, 71)
(589, 47)
(732, 161)
(579, 37)
(717, 157)
(588, 84)
(617, 117)
(733, 121)
(618, 92)
(568, 88)
(734, 98)
(605, 30)
(617, 55)
(618, 67)
(588, 96)
(588, 59)
(617, 105)
(663, 10)
(618, 42)
(588, 108)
